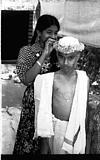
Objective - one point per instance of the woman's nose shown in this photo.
(53, 36)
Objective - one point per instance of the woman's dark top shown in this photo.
(28, 55)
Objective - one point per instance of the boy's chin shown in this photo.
(67, 69)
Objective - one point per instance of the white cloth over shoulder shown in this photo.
(75, 136)
(43, 120)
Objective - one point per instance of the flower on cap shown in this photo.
(68, 45)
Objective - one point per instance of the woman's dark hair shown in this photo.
(44, 22)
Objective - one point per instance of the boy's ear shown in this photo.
(78, 56)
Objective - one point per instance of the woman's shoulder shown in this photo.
(30, 49)
(25, 53)
(25, 48)
(36, 47)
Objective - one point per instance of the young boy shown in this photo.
(63, 101)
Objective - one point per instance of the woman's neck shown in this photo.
(42, 44)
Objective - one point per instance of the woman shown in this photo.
(38, 57)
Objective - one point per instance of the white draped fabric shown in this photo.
(78, 18)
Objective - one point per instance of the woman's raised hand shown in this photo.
(48, 47)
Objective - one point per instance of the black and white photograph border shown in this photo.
(11, 88)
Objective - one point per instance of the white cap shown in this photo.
(68, 45)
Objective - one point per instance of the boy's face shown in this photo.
(68, 60)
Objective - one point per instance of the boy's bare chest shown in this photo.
(63, 93)
(64, 88)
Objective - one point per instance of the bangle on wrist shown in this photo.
(38, 63)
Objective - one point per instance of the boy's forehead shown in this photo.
(68, 54)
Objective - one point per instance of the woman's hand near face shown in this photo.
(48, 47)
(29, 77)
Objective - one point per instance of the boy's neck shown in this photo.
(68, 73)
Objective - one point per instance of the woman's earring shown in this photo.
(57, 64)
(38, 39)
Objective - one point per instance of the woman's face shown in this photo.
(50, 32)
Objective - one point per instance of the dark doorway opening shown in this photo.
(14, 33)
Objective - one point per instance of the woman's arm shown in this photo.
(27, 66)
(35, 70)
